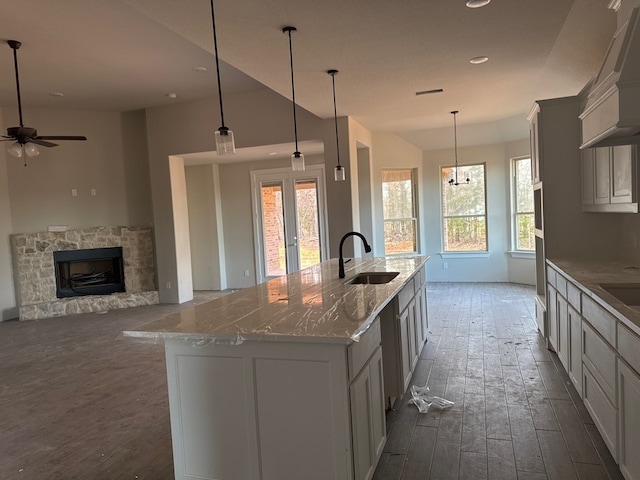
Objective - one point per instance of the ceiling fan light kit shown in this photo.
(225, 144)
(23, 137)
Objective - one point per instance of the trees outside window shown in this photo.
(399, 212)
(464, 213)
(523, 219)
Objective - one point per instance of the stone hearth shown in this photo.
(33, 262)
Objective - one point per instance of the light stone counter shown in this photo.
(312, 305)
(589, 275)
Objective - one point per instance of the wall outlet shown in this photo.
(246, 273)
(93, 192)
(445, 265)
(168, 285)
(74, 192)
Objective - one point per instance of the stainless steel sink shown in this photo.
(627, 293)
(373, 278)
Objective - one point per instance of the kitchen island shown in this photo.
(285, 380)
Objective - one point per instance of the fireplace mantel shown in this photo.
(35, 270)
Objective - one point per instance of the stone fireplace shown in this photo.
(85, 263)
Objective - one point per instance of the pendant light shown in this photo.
(454, 181)
(339, 174)
(225, 144)
(297, 159)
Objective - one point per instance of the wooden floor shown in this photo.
(79, 401)
(516, 414)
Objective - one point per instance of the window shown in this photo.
(523, 219)
(464, 213)
(399, 212)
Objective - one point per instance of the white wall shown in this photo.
(257, 118)
(390, 151)
(498, 267)
(8, 307)
(235, 189)
(113, 161)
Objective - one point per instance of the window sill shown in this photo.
(465, 254)
(522, 254)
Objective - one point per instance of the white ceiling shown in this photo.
(128, 54)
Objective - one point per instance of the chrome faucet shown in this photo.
(367, 248)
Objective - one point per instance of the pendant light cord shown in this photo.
(293, 88)
(15, 63)
(455, 142)
(333, 74)
(215, 49)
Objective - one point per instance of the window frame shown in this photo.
(463, 253)
(514, 207)
(414, 208)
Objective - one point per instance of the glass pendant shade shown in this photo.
(225, 144)
(297, 162)
(15, 149)
(339, 174)
(31, 150)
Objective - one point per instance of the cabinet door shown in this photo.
(621, 174)
(552, 316)
(405, 354)
(563, 332)
(588, 177)
(411, 321)
(629, 418)
(602, 175)
(367, 417)
(534, 140)
(575, 348)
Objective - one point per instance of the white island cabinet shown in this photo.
(284, 380)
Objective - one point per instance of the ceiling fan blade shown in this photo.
(61, 137)
(8, 139)
(37, 141)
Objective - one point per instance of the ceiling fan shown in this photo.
(26, 138)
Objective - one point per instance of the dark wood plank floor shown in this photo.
(77, 400)
(516, 414)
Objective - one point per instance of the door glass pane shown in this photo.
(273, 229)
(308, 227)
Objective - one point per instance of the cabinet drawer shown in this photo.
(551, 276)
(573, 295)
(601, 320)
(629, 347)
(405, 295)
(359, 352)
(602, 411)
(601, 360)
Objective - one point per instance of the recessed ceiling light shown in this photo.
(477, 3)
(57, 94)
(200, 69)
(172, 95)
(478, 60)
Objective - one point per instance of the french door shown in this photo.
(289, 220)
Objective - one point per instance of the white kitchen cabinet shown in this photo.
(609, 179)
(366, 395)
(563, 330)
(552, 316)
(574, 368)
(629, 412)
(602, 411)
(404, 331)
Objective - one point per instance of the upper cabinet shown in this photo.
(534, 139)
(609, 179)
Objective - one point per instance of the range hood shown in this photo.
(612, 111)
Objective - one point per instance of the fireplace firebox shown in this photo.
(94, 271)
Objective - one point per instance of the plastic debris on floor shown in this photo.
(421, 398)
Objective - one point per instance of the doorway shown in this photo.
(289, 220)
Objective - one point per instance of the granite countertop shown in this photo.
(311, 305)
(589, 275)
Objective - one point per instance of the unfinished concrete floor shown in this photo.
(78, 400)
